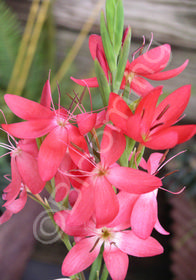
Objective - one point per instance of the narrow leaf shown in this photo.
(96, 266)
(115, 22)
(108, 48)
(103, 83)
(123, 59)
(124, 159)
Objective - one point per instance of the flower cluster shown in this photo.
(93, 161)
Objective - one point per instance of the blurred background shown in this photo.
(36, 36)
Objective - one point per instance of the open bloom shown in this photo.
(152, 125)
(117, 241)
(96, 192)
(41, 121)
(148, 65)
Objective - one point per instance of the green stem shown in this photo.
(96, 266)
(105, 273)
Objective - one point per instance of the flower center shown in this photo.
(129, 76)
(105, 233)
(101, 170)
(61, 121)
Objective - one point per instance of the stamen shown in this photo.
(140, 49)
(79, 101)
(143, 111)
(160, 167)
(59, 93)
(170, 173)
(163, 157)
(179, 192)
(163, 112)
(150, 42)
(6, 176)
(1, 111)
(96, 242)
(49, 74)
(83, 155)
(155, 126)
(89, 94)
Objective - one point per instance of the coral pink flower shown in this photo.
(62, 181)
(25, 175)
(152, 125)
(40, 120)
(118, 243)
(144, 216)
(96, 191)
(148, 65)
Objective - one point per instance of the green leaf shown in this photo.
(96, 266)
(104, 275)
(124, 159)
(115, 22)
(124, 53)
(108, 48)
(103, 83)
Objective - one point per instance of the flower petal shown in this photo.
(116, 262)
(95, 41)
(140, 86)
(80, 256)
(78, 149)
(18, 204)
(27, 109)
(61, 218)
(30, 129)
(184, 132)
(144, 215)
(139, 124)
(167, 74)
(152, 61)
(112, 145)
(102, 118)
(118, 111)
(91, 82)
(84, 207)
(160, 229)
(168, 138)
(126, 204)
(154, 162)
(172, 107)
(106, 202)
(131, 244)
(52, 152)
(13, 189)
(132, 180)
(62, 186)
(86, 122)
(5, 217)
(46, 97)
(28, 170)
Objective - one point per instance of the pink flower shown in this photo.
(41, 121)
(148, 65)
(117, 241)
(144, 216)
(25, 176)
(96, 191)
(152, 125)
